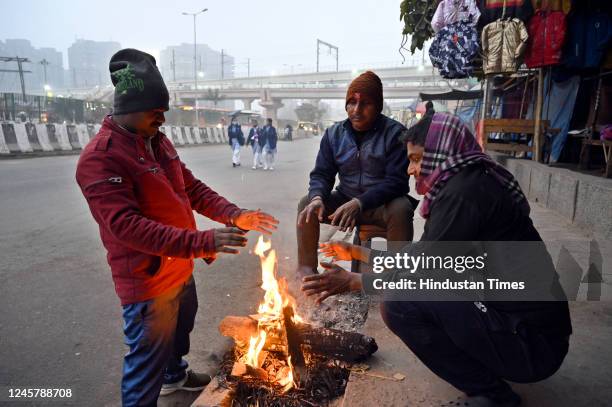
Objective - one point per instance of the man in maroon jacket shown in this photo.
(143, 197)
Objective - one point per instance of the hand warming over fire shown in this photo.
(225, 237)
(256, 220)
(346, 215)
(339, 250)
(335, 280)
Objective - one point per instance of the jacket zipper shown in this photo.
(545, 27)
(112, 180)
(360, 168)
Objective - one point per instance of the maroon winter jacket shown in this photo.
(144, 208)
(546, 37)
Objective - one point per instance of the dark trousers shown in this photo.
(472, 349)
(395, 217)
(157, 333)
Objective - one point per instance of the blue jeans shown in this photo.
(157, 333)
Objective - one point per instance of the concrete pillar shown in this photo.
(271, 107)
(248, 103)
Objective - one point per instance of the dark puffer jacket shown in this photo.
(371, 166)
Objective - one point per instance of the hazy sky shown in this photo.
(273, 34)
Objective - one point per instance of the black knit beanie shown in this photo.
(139, 86)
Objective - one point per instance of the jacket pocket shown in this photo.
(145, 264)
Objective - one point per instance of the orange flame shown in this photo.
(270, 311)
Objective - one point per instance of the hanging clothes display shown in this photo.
(552, 5)
(546, 36)
(558, 107)
(454, 49)
(452, 11)
(589, 33)
(492, 10)
(503, 45)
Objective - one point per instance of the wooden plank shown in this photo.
(214, 396)
(512, 125)
(537, 136)
(509, 147)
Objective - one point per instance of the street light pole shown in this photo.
(195, 62)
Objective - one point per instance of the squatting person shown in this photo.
(475, 346)
(364, 152)
(143, 196)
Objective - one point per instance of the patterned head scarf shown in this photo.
(450, 147)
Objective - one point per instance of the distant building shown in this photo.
(41, 60)
(88, 62)
(176, 63)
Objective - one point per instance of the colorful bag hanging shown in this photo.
(453, 50)
(546, 37)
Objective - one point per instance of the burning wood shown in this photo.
(277, 349)
(332, 343)
(268, 329)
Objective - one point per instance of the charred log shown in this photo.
(341, 345)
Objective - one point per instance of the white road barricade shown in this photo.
(195, 134)
(187, 135)
(43, 137)
(22, 137)
(3, 147)
(177, 136)
(83, 134)
(61, 132)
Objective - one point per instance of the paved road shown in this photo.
(61, 320)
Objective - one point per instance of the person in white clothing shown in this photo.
(236, 140)
(254, 141)
(268, 141)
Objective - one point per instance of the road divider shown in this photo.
(23, 139)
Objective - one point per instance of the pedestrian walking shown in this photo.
(236, 140)
(253, 140)
(269, 145)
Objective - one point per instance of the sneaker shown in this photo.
(191, 382)
(253, 167)
(271, 168)
(234, 165)
(265, 168)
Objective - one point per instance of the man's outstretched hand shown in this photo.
(335, 280)
(226, 238)
(316, 207)
(346, 215)
(256, 220)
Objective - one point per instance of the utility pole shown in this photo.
(222, 63)
(173, 66)
(195, 60)
(330, 48)
(19, 70)
(248, 67)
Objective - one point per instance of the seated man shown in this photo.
(371, 164)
